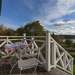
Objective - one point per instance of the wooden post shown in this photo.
(48, 62)
(72, 66)
(7, 39)
(64, 60)
(54, 57)
(32, 52)
(53, 53)
(25, 42)
(24, 35)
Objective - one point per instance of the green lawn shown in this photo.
(74, 70)
(72, 53)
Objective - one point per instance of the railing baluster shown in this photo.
(48, 52)
(62, 57)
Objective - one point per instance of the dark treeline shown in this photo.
(33, 28)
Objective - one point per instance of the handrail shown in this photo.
(61, 47)
(70, 59)
(57, 50)
(24, 36)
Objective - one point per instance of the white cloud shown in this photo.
(51, 9)
(71, 22)
(65, 22)
(59, 22)
(61, 8)
(29, 4)
(11, 26)
(64, 27)
(71, 11)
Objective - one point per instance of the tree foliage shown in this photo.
(6, 31)
(34, 28)
(68, 43)
(19, 31)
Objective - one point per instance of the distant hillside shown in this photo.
(66, 36)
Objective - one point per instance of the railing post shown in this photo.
(25, 42)
(7, 39)
(53, 53)
(48, 64)
(72, 65)
(32, 52)
(24, 35)
(54, 58)
(64, 60)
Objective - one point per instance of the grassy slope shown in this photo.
(74, 70)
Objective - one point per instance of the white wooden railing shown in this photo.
(55, 57)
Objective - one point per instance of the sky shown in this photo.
(55, 15)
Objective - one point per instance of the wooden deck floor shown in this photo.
(53, 72)
(40, 71)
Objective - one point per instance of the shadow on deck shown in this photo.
(40, 71)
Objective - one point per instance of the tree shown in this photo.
(33, 28)
(6, 31)
(58, 38)
(19, 31)
(9, 32)
(68, 43)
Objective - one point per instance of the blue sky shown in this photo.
(16, 13)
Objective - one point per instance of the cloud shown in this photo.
(11, 26)
(63, 27)
(29, 4)
(71, 22)
(71, 11)
(47, 10)
(64, 22)
(61, 8)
